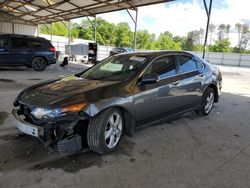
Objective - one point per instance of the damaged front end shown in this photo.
(63, 130)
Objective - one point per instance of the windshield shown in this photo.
(116, 68)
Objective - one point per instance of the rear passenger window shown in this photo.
(187, 64)
(199, 64)
(37, 43)
(19, 42)
(164, 67)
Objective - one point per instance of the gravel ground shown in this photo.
(190, 151)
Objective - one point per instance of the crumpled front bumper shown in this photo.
(26, 127)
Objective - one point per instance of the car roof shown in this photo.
(152, 54)
(24, 36)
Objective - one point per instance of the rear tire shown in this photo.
(105, 131)
(39, 64)
(207, 102)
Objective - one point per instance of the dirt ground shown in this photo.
(190, 151)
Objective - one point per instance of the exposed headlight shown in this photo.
(40, 113)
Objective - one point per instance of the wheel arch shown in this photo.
(129, 120)
(214, 87)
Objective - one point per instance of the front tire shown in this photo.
(105, 131)
(207, 102)
(39, 64)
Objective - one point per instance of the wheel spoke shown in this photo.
(111, 141)
(117, 132)
(108, 134)
(111, 121)
(117, 121)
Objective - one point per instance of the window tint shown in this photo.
(19, 42)
(3, 43)
(199, 64)
(187, 64)
(164, 67)
(37, 42)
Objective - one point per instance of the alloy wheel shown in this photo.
(113, 130)
(209, 102)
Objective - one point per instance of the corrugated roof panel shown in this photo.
(40, 3)
(41, 9)
(82, 3)
(53, 10)
(13, 4)
(42, 13)
(23, 9)
(66, 6)
(28, 17)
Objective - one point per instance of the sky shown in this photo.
(181, 16)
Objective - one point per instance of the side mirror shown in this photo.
(149, 78)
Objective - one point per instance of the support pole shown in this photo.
(51, 31)
(13, 28)
(135, 22)
(136, 15)
(69, 32)
(95, 29)
(37, 28)
(208, 22)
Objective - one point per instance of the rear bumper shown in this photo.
(52, 61)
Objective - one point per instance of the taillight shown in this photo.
(52, 49)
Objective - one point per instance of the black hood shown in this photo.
(63, 91)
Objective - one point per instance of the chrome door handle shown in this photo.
(175, 83)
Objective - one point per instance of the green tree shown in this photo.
(180, 40)
(124, 35)
(166, 42)
(239, 26)
(212, 29)
(243, 37)
(228, 30)
(145, 40)
(221, 46)
(193, 41)
(222, 31)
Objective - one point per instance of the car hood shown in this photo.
(61, 92)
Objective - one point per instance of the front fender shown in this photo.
(122, 102)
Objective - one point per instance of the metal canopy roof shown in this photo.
(46, 11)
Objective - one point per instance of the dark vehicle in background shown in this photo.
(118, 95)
(115, 51)
(22, 50)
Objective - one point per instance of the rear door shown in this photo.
(4, 51)
(191, 81)
(19, 50)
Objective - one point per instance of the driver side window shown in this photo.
(164, 67)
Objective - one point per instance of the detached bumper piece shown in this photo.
(26, 127)
(70, 145)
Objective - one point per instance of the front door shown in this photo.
(156, 99)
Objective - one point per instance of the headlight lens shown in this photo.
(40, 113)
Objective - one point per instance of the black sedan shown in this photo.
(117, 96)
